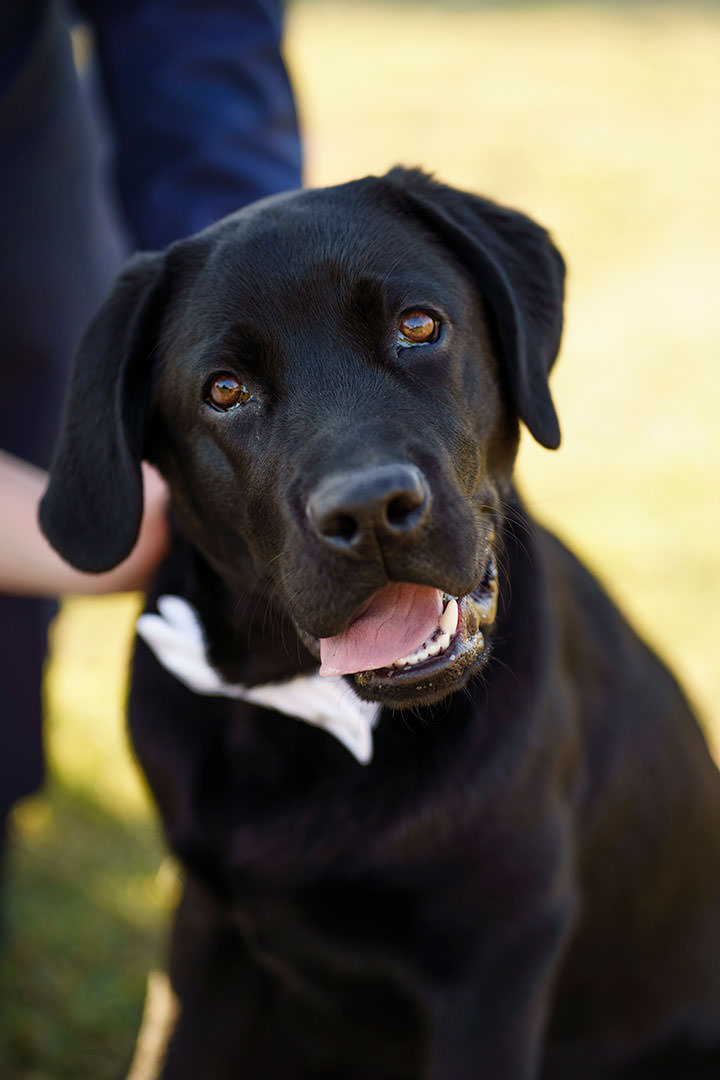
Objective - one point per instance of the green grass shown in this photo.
(601, 122)
(90, 892)
(84, 920)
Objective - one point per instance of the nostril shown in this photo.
(332, 523)
(401, 507)
(340, 527)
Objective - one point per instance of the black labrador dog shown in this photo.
(520, 876)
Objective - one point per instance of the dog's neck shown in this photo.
(178, 639)
(259, 656)
(233, 644)
(250, 641)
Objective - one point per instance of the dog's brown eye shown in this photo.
(417, 328)
(224, 392)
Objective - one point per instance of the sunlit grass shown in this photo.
(89, 894)
(603, 123)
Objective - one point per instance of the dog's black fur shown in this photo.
(525, 881)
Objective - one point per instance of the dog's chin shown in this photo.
(425, 679)
(429, 679)
(444, 662)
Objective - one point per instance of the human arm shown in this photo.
(29, 565)
(200, 108)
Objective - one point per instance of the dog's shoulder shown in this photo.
(627, 704)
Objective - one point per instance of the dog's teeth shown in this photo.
(434, 645)
(413, 658)
(449, 617)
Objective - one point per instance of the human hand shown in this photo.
(29, 565)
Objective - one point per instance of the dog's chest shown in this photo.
(352, 951)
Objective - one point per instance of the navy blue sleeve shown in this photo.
(201, 109)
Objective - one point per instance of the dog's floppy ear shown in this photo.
(92, 508)
(520, 274)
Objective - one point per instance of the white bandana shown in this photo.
(176, 637)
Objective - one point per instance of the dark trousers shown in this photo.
(59, 250)
(203, 120)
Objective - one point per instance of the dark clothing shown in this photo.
(202, 112)
(201, 120)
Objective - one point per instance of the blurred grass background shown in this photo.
(600, 120)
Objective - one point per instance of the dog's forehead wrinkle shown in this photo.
(255, 287)
(276, 245)
(289, 246)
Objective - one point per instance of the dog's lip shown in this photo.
(468, 644)
(438, 673)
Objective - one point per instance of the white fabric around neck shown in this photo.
(176, 638)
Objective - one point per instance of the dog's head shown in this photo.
(331, 382)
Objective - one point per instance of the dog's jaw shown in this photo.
(458, 648)
(429, 678)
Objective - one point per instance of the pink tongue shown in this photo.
(395, 623)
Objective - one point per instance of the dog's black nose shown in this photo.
(385, 502)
